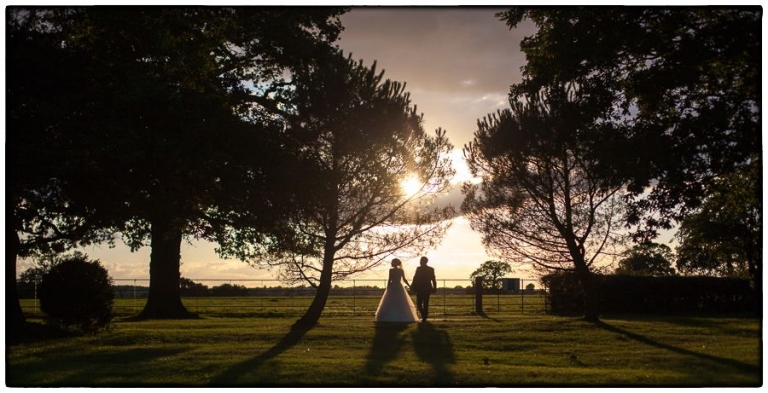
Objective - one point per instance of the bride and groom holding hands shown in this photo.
(396, 304)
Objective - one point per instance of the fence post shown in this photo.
(445, 291)
(479, 295)
(522, 298)
(34, 310)
(354, 304)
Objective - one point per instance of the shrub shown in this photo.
(229, 290)
(78, 293)
(621, 294)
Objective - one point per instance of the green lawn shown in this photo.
(360, 305)
(469, 351)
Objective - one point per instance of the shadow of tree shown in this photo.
(233, 374)
(387, 343)
(434, 346)
(81, 369)
(710, 323)
(483, 315)
(37, 332)
(741, 366)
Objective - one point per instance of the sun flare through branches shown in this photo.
(411, 185)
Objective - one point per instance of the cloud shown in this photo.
(458, 63)
(453, 197)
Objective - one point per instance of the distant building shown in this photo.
(510, 284)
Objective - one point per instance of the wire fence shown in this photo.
(265, 297)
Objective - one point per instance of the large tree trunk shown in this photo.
(754, 264)
(591, 292)
(14, 316)
(591, 298)
(315, 309)
(164, 300)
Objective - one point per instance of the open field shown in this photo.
(348, 305)
(470, 351)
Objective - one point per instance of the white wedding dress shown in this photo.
(396, 305)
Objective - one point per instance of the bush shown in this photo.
(652, 295)
(78, 293)
(229, 290)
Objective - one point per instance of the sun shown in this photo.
(411, 185)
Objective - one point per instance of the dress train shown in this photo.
(396, 305)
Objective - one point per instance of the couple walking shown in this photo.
(396, 305)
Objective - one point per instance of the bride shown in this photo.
(396, 305)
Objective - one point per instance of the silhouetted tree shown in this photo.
(159, 115)
(688, 80)
(540, 200)
(43, 263)
(191, 288)
(30, 278)
(40, 218)
(492, 272)
(649, 259)
(357, 138)
(724, 237)
(228, 289)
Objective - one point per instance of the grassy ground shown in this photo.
(360, 305)
(523, 350)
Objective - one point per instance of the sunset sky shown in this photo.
(457, 64)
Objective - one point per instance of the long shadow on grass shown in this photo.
(434, 346)
(387, 343)
(91, 368)
(36, 332)
(711, 323)
(741, 366)
(483, 315)
(233, 374)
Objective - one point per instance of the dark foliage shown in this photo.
(229, 290)
(78, 293)
(541, 198)
(356, 137)
(684, 80)
(492, 273)
(725, 237)
(191, 288)
(647, 259)
(621, 294)
(158, 118)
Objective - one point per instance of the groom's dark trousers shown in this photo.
(422, 303)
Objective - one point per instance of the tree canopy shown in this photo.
(686, 78)
(156, 122)
(674, 101)
(648, 259)
(491, 272)
(540, 200)
(724, 237)
(357, 138)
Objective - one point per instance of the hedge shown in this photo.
(623, 294)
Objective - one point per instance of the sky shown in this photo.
(457, 63)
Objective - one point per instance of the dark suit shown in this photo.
(424, 284)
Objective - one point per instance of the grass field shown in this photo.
(467, 351)
(360, 305)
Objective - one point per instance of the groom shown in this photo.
(424, 284)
